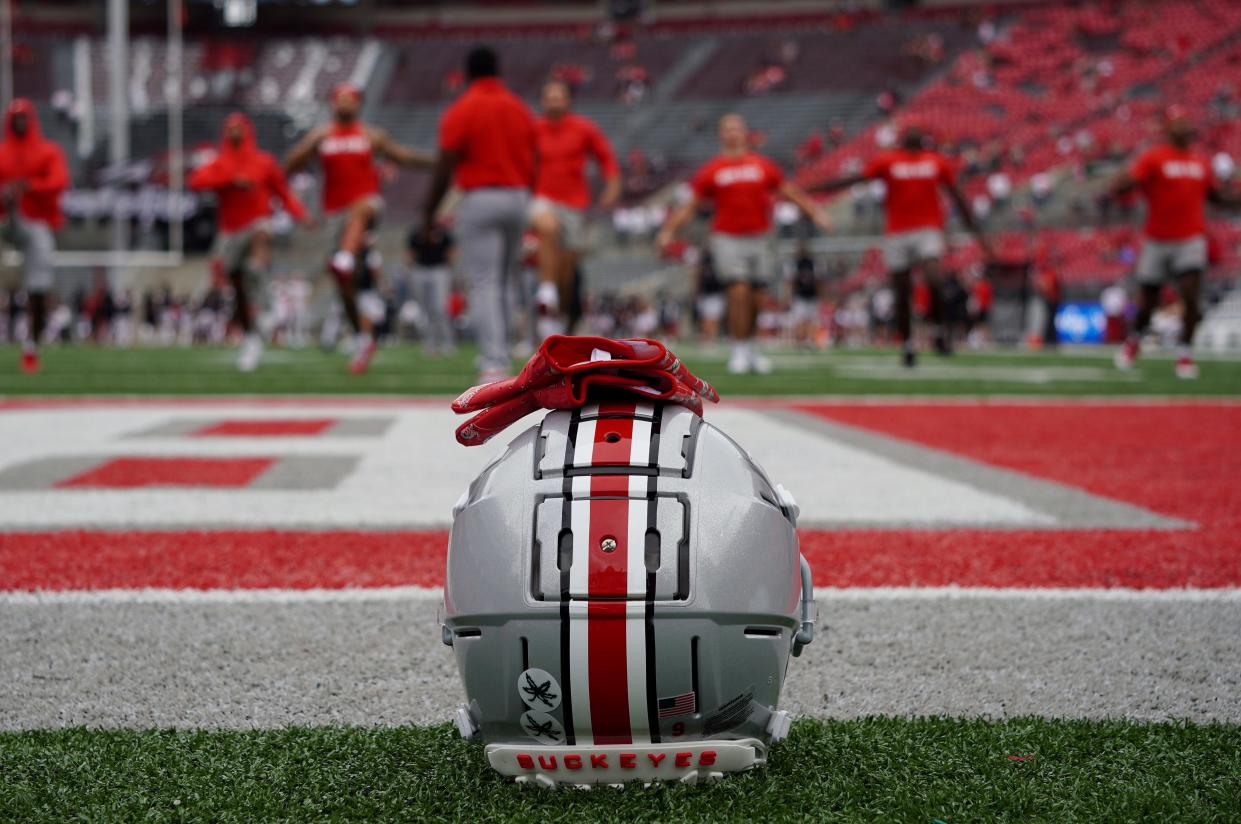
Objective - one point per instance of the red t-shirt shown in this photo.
(238, 207)
(1175, 182)
(742, 189)
(564, 144)
(913, 179)
(348, 162)
(493, 132)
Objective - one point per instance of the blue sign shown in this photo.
(1081, 322)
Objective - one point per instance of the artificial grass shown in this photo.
(404, 370)
(873, 769)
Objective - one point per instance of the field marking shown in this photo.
(1069, 507)
(417, 593)
(411, 476)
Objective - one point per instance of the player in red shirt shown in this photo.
(245, 180)
(33, 174)
(566, 140)
(346, 149)
(487, 147)
(914, 175)
(1177, 183)
(742, 185)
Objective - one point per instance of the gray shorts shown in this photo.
(572, 221)
(334, 222)
(1163, 259)
(233, 248)
(743, 257)
(905, 250)
(37, 243)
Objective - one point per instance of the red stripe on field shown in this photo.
(265, 428)
(1178, 460)
(1175, 459)
(237, 559)
(129, 473)
(260, 559)
(608, 577)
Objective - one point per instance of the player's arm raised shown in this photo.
(301, 153)
(802, 200)
(399, 153)
(835, 184)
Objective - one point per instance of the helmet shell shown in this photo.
(623, 574)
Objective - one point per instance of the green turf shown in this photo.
(404, 370)
(879, 769)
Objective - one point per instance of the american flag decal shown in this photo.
(685, 704)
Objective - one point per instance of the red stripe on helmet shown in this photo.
(608, 578)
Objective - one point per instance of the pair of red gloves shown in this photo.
(567, 370)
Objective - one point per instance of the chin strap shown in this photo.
(806, 634)
(567, 372)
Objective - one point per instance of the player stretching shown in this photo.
(33, 174)
(561, 196)
(352, 205)
(913, 175)
(1177, 182)
(742, 185)
(245, 179)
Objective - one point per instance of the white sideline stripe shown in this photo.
(417, 593)
(1025, 593)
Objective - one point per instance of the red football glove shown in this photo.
(566, 370)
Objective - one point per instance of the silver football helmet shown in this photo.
(624, 590)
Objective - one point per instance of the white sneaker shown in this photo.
(1186, 369)
(1127, 354)
(547, 298)
(740, 361)
(363, 350)
(251, 353)
(761, 364)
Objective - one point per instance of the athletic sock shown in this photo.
(1184, 350)
(343, 261)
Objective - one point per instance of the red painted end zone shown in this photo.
(259, 559)
(130, 473)
(265, 428)
(75, 560)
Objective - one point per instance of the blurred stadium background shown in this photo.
(1039, 103)
(225, 608)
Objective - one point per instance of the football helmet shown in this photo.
(624, 590)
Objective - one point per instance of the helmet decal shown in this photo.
(538, 689)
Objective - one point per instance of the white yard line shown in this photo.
(417, 593)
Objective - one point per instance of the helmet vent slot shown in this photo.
(763, 632)
(652, 550)
(564, 550)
